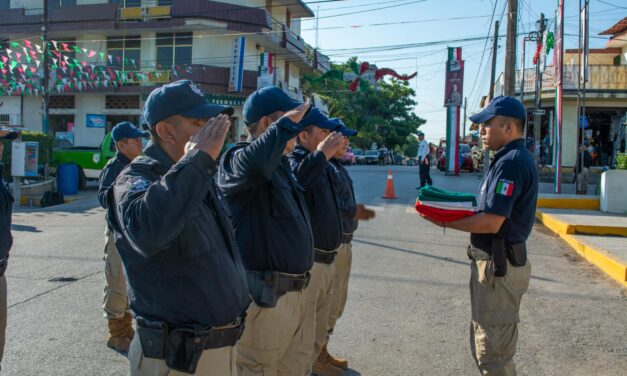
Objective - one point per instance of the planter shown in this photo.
(614, 191)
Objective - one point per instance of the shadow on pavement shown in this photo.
(24, 228)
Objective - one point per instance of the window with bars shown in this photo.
(122, 102)
(4, 119)
(174, 49)
(62, 101)
(121, 48)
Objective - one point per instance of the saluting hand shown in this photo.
(331, 145)
(210, 137)
(297, 114)
(363, 213)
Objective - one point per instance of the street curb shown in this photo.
(579, 203)
(568, 228)
(598, 257)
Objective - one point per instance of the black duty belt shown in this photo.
(285, 282)
(324, 257)
(222, 337)
(347, 238)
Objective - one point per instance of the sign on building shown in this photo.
(24, 158)
(265, 74)
(236, 76)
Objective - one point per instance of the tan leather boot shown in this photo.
(323, 368)
(117, 339)
(127, 326)
(338, 362)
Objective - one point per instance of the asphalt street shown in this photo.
(408, 308)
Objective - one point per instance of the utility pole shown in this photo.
(495, 46)
(537, 113)
(464, 123)
(46, 78)
(509, 74)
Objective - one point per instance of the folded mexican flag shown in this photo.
(445, 206)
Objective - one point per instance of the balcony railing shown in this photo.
(144, 10)
(601, 77)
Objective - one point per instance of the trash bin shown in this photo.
(67, 179)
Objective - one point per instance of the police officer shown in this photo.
(6, 239)
(187, 285)
(500, 270)
(424, 160)
(317, 143)
(128, 144)
(351, 214)
(273, 231)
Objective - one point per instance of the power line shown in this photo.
(610, 4)
(371, 10)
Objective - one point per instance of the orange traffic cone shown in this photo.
(389, 187)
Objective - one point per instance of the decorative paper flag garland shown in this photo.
(361, 75)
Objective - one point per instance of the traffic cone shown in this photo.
(389, 187)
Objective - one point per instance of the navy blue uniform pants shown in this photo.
(425, 177)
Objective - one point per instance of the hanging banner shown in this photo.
(265, 74)
(453, 94)
(585, 29)
(236, 77)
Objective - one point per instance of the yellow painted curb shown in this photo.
(569, 203)
(615, 269)
(566, 228)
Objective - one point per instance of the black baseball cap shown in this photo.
(501, 106)
(266, 101)
(181, 97)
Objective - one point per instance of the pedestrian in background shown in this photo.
(500, 270)
(128, 146)
(6, 239)
(351, 213)
(187, 284)
(424, 160)
(584, 161)
(274, 233)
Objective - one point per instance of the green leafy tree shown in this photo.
(382, 114)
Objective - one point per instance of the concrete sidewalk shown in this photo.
(600, 238)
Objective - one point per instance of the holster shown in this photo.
(152, 337)
(266, 287)
(517, 254)
(498, 257)
(183, 349)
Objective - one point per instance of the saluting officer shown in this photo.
(273, 231)
(351, 214)
(187, 284)
(500, 271)
(317, 143)
(6, 239)
(128, 145)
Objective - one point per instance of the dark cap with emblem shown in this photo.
(126, 130)
(501, 106)
(266, 101)
(342, 128)
(317, 118)
(183, 98)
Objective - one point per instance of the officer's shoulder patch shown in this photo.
(138, 184)
(144, 160)
(505, 187)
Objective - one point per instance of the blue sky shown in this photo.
(410, 22)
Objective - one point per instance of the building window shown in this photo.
(122, 102)
(62, 101)
(121, 48)
(4, 119)
(128, 3)
(174, 49)
(60, 3)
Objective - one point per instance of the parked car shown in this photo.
(359, 156)
(371, 157)
(465, 157)
(349, 158)
(397, 159)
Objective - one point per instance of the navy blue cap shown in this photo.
(126, 130)
(266, 101)
(343, 129)
(501, 106)
(12, 135)
(181, 97)
(320, 120)
(420, 133)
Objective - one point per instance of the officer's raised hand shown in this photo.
(330, 145)
(210, 138)
(297, 114)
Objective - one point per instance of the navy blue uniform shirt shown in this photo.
(509, 189)
(176, 241)
(315, 174)
(269, 211)
(6, 210)
(108, 175)
(345, 196)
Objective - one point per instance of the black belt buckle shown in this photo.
(324, 257)
(347, 238)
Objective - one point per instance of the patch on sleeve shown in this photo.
(505, 187)
(138, 184)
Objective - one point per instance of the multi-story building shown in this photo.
(605, 100)
(106, 56)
